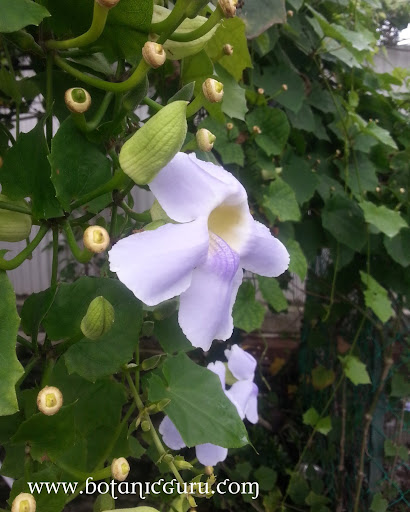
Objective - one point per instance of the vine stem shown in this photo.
(111, 185)
(54, 268)
(176, 17)
(140, 217)
(341, 466)
(195, 105)
(388, 362)
(83, 256)
(49, 99)
(14, 208)
(206, 27)
(100, 14)
(89, 126)
(152, 431)
(25, 253)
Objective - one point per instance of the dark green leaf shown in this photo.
(399, 247)
(298, 174)
(274, 127)
(198, 408)
(281, 201)
(225, 145)
(248, 314)
(170, 335)
(266, 477)
(185, 93)
(233, 101)
(10, 369)
(272, 293)
(400, 386)
(261, 15)
(17, 14)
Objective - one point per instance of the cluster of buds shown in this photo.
(154, 54)
(24, 502)
(228, 7)
(49, 400)
(120, 469)
(96, 239)
(77, 100)
(205, 139)
(213, 90)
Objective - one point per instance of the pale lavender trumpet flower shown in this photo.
(243, 394)
(201, 256)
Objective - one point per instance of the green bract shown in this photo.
(14, 226)
(98, 319)
(176, 50)
(155, 144)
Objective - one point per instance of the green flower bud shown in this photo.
(77, 99)
(99, 318)
(145, 426)
(49, 400)
(176, 50)
(153, 54)
(228, 7)
(155, 144)
(14, 226)
(96, 239)
(205, 139)
(24, 502)
(120, 469)
(182, 464)
(213, 90)
(104, 502)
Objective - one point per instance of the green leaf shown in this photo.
(233, 101)
(322, 377)
(26, 172)
(400, 386)
(392, 449)
(298, 489)
(9, 85)
(272, 293)
(199, 408)
(225, 145)
(380, 134)
(266, 477)
(261, 15)
(323, 425)
(34, 309)
(387, 221)
(298, 263)
(399, 247)
(344, 220)
(355, 370)
(298, 174)
(274, 127)
(170, 335)
(303, 119)
(18, 14)
(95, 359)
(231, 31)
(376, 297)
(184, 94)
(78, 166)
(272, 80)
(197, 69)
(10, 368)
(379, 504)
(362, 175)
(280, 200)
(248, 314)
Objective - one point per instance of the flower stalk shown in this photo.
(81, 255)
(206, 27)
(25, 253)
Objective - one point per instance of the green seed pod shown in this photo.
(14, 226)
(98, 319)
(155, 144)
(176, 50)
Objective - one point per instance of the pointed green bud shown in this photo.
(155, 144)
(104, 502)
(14, 226)
(98, 319)
(145, 426)
(151, 362)
(205, 139)
(182, 464)
(176, 50)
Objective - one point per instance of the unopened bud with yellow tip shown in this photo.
(402, 190)
(261, 91)
(284, 87)
(213, 90)
(24, 502)
(229, 126)
(109, 4)
(256, 130)
(120, 469)
(49, 400)
(99, 318)
(182, 464)
(77, 100)
(14, 226)
(96, 239)
(153, 54)
(209, 470)
(290, 13)
(228, 7)
(227, 49)
(205, 139)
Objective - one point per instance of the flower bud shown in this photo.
(378, 189)
(24, 502)
(290, 13)
(145, 426)
(256, 130)
(205, 139)
(213, 90)
(99, 318)
(261, 91)
(284, 87)
(120, 469)
(49, 400)
(229, 126)
(228, 7)
(209, 470)
(402, 190)
(182, 464)
(109, 4)
(14, 226)
(96, 239)
(227, 49)
(77, 99)
(153, 54)
(155, 144)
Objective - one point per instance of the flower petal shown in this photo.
(239, 394)
(205, 311)
(170, 435)
(157, 265)
(188, 188)
(210, 454)
(219, 369)
(241, 364)
(263, 253)
(251, 410)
